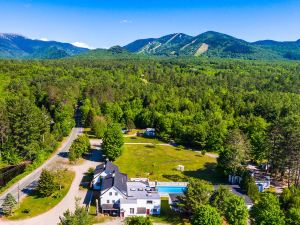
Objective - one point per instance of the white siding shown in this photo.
(154, 208)
(111, 196)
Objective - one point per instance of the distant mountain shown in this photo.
(214, 44)
(286, 49)
(19, 47)
(115, 52)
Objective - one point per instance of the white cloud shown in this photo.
(44, 39)
(81, 45)
(125, 21)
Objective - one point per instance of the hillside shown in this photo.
(214, 44)
(19, 47)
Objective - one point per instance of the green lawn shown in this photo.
(167, 216)
(35, 205)
(160, 162)
(137, 139)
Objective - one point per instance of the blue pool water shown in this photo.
(170, 189)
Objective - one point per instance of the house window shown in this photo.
(149, 202)
(131, 210)
(116, 193)
(110, 193)
(113, 201)
(107, 201)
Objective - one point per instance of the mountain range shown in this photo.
(208, 44)
(19, 47)
(214, 44)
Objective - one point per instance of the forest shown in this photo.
(195, 102)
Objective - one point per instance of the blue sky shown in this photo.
(104, 23)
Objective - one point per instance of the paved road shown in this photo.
(31, 179)
(51, 217)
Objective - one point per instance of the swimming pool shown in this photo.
(170, 189)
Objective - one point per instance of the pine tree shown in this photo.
(9, 204)
(47, 185)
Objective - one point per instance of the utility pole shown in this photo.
(18, 194)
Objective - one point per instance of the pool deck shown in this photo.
(171, 184)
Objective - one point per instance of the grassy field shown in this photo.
(34, 205)
(136, 139)
(159, 163)
(167, 216)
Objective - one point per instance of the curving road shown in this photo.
(30, 180)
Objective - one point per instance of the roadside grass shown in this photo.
(32, 167)
(133, 131)
(137, 139)
(34, 205)
(159, 163)
(167, 216)
(89, 132)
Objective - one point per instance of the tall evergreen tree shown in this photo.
(9, 204)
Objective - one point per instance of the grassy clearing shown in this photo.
(167, 216)
(34, 205)
(159, 163)
(137, 139)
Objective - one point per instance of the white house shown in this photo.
(141, 200)
(119, 197)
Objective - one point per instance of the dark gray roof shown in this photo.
(116, 179)
(174, 197)
(107, 166)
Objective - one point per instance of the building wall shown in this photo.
(110, 196)
(154, 208)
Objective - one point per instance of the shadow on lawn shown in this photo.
(173, 177)
(210, 172)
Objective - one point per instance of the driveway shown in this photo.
(31, 179)
(51, 217)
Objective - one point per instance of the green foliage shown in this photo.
(47, 184)
(198, 192)
(206, 215)
(231, 206)
(235, 210)
(79, 217)
(112, 142)
(81, 145)
(9, 204)
(248, 184)
(267, 211)
(293, 216)
(138, 220)
(99, 126)
(235, 153)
